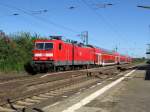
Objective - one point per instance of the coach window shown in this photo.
(60, 46)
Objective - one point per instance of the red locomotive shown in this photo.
(56, 54)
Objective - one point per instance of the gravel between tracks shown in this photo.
(25, 87)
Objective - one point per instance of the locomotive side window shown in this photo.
(60, 46)
(48, 46)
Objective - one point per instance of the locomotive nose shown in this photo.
(43, 56)
(49, 54)
(46, 56)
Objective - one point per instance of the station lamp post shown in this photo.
(148, 49)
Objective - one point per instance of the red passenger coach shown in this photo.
(98, 56)
(104, 57)
(123, 59)
(108, 57)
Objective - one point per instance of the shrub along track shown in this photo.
(31, 90)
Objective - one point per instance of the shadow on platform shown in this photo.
(147, 69)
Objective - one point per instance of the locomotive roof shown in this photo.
(82, 45)
(72, 42)
(42, 40)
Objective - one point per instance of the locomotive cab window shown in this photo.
(60, 46)
(44, 46)
(48, 46)
(39, 46)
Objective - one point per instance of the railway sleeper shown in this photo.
(97, 74)
(24, 103)
(121, 68)
(104, 74)
(93, 73)
(4, 109)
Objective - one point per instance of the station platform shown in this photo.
(130, 94)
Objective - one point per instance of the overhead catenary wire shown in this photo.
(14, 14)
(102, 18)
(98, 15)
(40, 18)
(105, 20)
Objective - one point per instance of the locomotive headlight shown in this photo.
(49, 54)
(37, 54)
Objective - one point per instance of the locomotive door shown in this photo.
(67, 51)
(59, 53)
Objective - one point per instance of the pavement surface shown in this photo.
(130, 94)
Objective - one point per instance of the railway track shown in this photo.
(27, 92)
(52, 74)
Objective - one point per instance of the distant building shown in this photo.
(148, 52)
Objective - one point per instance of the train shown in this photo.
(55, 54)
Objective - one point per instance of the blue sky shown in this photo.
(123, 24)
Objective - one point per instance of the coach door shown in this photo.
(98, 59)
(117, 59)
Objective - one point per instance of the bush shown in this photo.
(15, 51)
